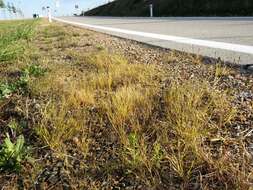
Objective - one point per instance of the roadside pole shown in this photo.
(49, 14)
(151, 10)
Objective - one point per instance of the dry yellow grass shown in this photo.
(194, 110)
(60, 123)
(113, 123)
(129, 108)
(113, 71)
(221, 71)
(127, 96)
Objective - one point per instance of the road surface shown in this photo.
(229, 38)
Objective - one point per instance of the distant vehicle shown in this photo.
(35, 16)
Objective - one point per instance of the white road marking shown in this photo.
(183, 40)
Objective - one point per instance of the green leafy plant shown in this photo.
(6, 90)
(34, 70)
(134, 151)
(158, 154)
(16, 128)
(12, 154)
(21, 84)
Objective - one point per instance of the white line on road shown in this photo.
(183, 40)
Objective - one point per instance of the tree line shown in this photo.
(1, 4)
(11, 8)
(175, 8)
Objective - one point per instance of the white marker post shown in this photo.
(151, 10)
(49, 14)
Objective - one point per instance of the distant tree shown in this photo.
(1, 4)
(13, 8)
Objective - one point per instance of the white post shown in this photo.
(49, 14)
(151, 10)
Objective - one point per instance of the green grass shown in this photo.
(14, 37)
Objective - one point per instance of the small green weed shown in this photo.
(158, 154)
(6, 90)
(16, 128)
(34, 70)
(12, 154)
(135, 150)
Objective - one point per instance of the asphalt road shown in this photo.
(230, 38)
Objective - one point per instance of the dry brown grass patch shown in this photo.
(222, 71)
(113, 71)
(60, 123)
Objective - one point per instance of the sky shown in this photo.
(66, 7)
